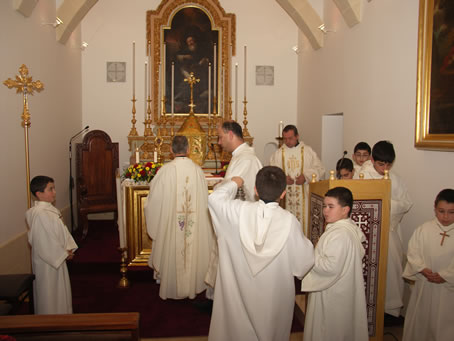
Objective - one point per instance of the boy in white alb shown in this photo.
(52, 245)
(261, 249)
(430, 264)
(336, 307)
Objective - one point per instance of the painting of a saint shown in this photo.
(190, 45)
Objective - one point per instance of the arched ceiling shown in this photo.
(71, 12)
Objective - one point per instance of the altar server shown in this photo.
(52, 245)
(299, 162)
(178, 222)
(336, 308)
(431, 265)
(382, 159)
(261, 249)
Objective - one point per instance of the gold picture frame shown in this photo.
(164, 38)
(435, 84)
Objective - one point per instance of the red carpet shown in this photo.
(94, 274)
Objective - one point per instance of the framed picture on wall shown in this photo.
(435, 84)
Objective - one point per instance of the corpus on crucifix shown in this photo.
(191, 80)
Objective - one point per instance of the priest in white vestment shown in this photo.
(178, 222)
(299, 162)
(244, 164)
(51, 245)
(383, 156)
(261, 249)
(430, 312)
(336, 308)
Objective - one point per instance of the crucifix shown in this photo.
(444, 234)
(191, 80)
(25, 85)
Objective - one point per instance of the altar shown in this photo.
(132, 229)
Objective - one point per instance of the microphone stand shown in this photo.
(71, 179)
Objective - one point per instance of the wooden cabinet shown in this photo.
(96, 164)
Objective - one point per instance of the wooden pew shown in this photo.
(96, 326)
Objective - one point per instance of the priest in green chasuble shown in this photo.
(299, 162)
(178, 222)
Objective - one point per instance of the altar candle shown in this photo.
(155, 156)
(159, 91)
(150, 70)
(222, 89)
(236, 91)
(229, 66)
(137, 155)
(281, 127)
(146, 84)
(209, 89)
(173, 88)
(164, 63)
(133, 68)
(245, 70)
(214, 71)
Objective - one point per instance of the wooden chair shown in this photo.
(96, 164)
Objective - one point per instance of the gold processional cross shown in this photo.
(191, 80)
(25, 85)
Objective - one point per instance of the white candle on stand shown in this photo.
(146, 85)
(137, 155)
(164, 63)
(229, 67)
(173, 89)
(222, 89)
(133, 69)
(155, 156)
(236, 92)
(159, 91)
(281, 127)
(209, 89)
(245, 70)
(214, 71)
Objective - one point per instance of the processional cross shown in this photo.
(25, 85)
(191, 80)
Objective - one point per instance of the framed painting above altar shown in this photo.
(190, 36)
(435, 85)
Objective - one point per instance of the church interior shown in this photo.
(343, 71)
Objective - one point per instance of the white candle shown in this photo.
(236, 91)
(222, 89)
(229, 67)
(146, 85)
(245, 70)
(281, 127)
(164, 63)
(137, 155)
(159, 92)
(155, 156)
(150, 71)
(173, 88)
(209, 89)
(214, 72)
(133, 68)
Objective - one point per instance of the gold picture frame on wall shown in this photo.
(212, 30)
(435, 84)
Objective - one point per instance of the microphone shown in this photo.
(215, 158)
(72, 138)
(339, 164)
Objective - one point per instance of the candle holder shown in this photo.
(163, 121)
(230, 108)
(147, 147)
(245, 122)
(133, 131)
(124, 282)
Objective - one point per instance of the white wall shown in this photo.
(110, 28)
(368, 73)
(55, 112)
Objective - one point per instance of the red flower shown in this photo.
(143, 172)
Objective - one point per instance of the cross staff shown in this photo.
(25, 85)
(191, 80)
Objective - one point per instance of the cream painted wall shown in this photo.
(111, 26)
(55, 114)
(368, 73)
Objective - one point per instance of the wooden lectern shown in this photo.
(371, 209)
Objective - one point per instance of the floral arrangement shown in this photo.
(142, 171)
(224, 166)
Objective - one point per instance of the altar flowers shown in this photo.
(140, 172)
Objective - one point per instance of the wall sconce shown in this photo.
(324, 29)
(55, 24)
(84, 45)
